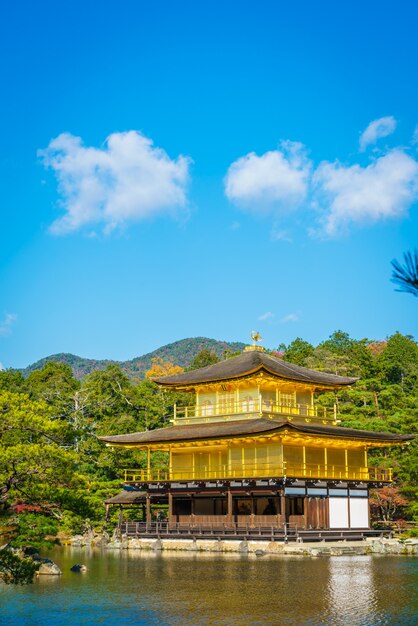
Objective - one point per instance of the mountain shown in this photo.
(180, 353)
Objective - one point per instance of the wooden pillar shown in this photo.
(107, 513)
(170, 506)
(327, 509)
(229, 511)
(305, 511)
(148, 509)
(252, 510)
(348, 510)
(192, 508)
(283, 507)
(120, 517)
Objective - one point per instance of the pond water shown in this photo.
(163, 588)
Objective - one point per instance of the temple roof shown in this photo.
(247, 427)
(251, 362)
(131, 497)
(127, 497)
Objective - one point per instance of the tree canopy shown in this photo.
(50, 457)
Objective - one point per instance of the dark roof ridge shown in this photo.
(249, 362)
(236, 428)
(292, 367)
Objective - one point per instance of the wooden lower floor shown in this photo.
(285, 508)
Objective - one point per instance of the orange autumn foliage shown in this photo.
(162, 368)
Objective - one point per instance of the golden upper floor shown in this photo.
(254, 384)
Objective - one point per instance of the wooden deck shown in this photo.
(240, 531)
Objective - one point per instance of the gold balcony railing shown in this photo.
(206, 412)
(243, 471)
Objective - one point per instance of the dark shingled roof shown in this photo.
(250, 362)
(127, 497)
(247, 427)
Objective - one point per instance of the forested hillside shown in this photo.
(55, 474)
(180, 352)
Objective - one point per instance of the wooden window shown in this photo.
(356, 457)
(207, 408)
(287, 399)
(267, 506)
(226, 402)
(315, 456)
(243, 506)
(294, 506)
(182, 506)
(248, 404)
(293, 454)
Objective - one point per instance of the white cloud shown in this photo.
(280, 235)
(2, 367)
(266, 316)
(353, 194)
(127, 179)
(382, 127)
(7, 323)
(276, 181)
(291, 317)
(342, 195)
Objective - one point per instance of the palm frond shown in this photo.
(406, 275)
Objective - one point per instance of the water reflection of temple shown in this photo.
(351, 589)
(255, 450)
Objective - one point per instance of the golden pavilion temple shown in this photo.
(256, 451)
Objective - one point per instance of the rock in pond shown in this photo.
(79, 568)
(49, 569)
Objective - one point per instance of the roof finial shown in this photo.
(256, 337)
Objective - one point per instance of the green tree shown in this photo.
(30, 452)
(399, 361)
(202, 359)
(34, 530)
(55, 385)
(15, 569)
(12, 380)
(297, 352)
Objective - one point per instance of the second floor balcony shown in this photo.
(222, 411)
(254, 470)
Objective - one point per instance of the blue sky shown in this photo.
(178, 169)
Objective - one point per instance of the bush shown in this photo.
(35, 530)
(16, 570)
